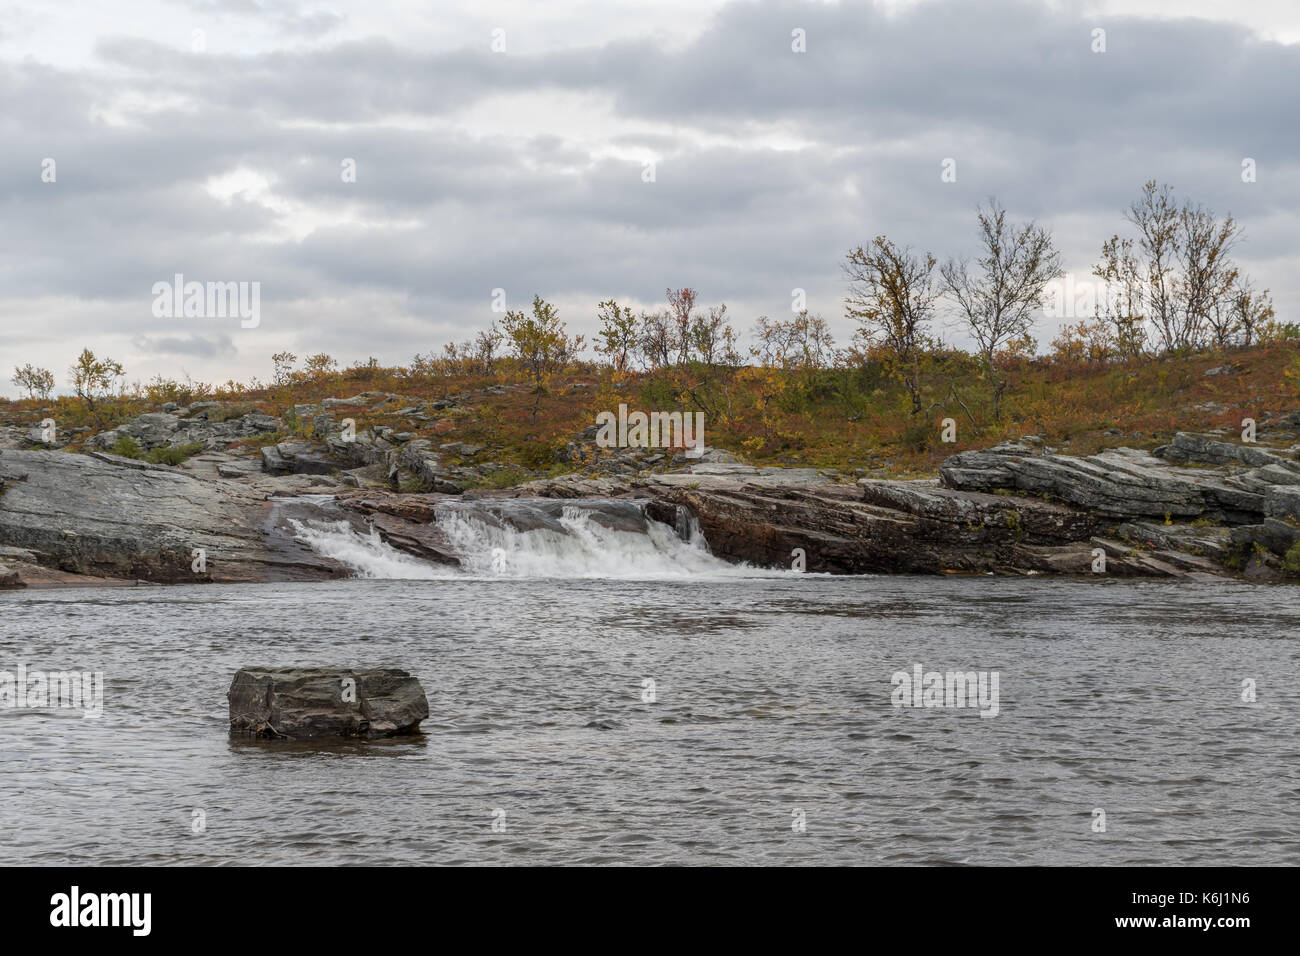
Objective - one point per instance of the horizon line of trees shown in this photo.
(1170, 287)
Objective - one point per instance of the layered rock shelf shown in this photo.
(85, 518)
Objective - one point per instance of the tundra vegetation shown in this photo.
(1180, 340)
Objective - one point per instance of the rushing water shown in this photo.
(772, 705)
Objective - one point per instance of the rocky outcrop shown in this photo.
(1123, 483)
(380, 455)
(585, 454)
(297, 703)
(1190, 448)
(879, 526)
(1200, 506)
(200, 424)
(1194, 476)
(103, 517)
(1209, 541)
(420, 460)
(1251, 490)
(300, 458)
(762, 515)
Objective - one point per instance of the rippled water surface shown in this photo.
(773, 696)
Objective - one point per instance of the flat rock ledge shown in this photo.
(303, 703)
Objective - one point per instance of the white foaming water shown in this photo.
(584, 540)
(367, 554)
(585, 548)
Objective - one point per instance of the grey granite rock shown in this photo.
(100, 516)
(1123, 483)
(165, 429)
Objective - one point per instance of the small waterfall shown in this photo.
(526, 538)
(573, 539)
(688, 528)
(364, 552)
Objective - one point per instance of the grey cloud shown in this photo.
(1010, 90)
(203, 346)
(289, 18)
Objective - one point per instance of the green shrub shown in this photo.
(506, 477)
(262, 439)
(919, 436)
(1291, 561)
(162, 390)
(173, 454)
(127, 447)
(413, 484)
(538, 454)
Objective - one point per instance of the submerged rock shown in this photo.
(303, 702)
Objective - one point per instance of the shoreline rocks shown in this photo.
(1197, 507)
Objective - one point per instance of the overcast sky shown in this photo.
(208, 137)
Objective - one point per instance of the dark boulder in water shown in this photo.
(306, 702)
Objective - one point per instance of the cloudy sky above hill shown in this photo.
(209, 137)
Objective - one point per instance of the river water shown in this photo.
(772, 736)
